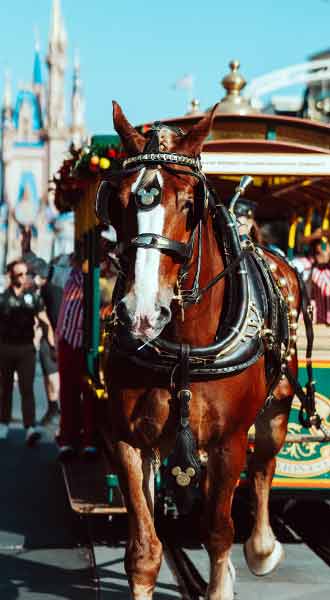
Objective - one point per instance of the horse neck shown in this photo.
(201, 320)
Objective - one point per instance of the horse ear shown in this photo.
(132, 140)
(193, 141)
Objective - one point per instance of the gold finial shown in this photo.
(194, 107)
(233, 83)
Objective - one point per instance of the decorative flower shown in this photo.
(79, 166)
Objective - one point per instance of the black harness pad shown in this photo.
(264, 309)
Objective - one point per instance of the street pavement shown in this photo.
(301, 576)
(39, 556)
(43, 555)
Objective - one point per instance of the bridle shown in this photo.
(179, 251)
(147, 200)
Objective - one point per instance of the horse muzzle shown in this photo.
(145, 327)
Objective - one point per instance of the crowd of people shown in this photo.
(315, 271)
(312, 260)
(41, 317)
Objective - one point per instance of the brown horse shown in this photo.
(171, 253)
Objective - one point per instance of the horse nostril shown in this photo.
(122, 312)
(165, 313)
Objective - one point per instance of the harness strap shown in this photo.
(307, 413)
(307, 311)
(163, 157)
(225, 272)
(191, 296)
(184, 467)
(184, 393)
(159, 242)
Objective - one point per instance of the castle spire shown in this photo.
(7, 100)
(37, 81)
(56, 61)
(78, 125)
(37, 70)
(76, 74)
(7, 96)
(57, 32)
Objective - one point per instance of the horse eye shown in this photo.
(187, 205)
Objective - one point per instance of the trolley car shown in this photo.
(289, 160)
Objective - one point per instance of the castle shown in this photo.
(35, 137)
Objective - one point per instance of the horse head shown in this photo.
(158, 199)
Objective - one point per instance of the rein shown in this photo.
(200, 292)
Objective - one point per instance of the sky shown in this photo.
(135, 51)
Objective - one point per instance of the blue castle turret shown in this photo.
(37, 68)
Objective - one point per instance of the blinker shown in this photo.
(102, 203)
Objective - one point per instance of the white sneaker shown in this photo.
(32, 435)
(65, 453)
(4, 430)
(89, 452)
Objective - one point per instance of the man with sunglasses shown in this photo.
(20, 306)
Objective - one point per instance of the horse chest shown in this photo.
(144, 414)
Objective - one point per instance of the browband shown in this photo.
(177, 159)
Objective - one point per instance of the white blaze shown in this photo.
(147, 264)
(147, 259)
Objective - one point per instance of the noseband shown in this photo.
(179, 251)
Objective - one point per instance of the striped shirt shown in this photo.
(70, 319)
(317, 277)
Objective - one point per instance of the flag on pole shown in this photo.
(185, 83)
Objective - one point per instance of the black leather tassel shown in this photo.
(184, 470)
(184, 467)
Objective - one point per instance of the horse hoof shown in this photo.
(142, 592)
(230, 581)
(228, 592)
(263, 565)
(232, 572)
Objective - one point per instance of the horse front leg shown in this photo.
(224, 467)
(144, 550)
(263, 552)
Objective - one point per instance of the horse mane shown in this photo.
(147, 177)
